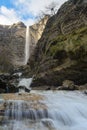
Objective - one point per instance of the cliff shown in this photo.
(61, 52)
(36, 31)
(12, 42)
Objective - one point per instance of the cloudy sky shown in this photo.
(12, 11)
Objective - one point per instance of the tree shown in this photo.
(49, 10)
(44, 15)
(52, 8)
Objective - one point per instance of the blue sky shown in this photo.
(12, 11)
(6, 3)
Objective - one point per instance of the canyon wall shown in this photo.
(12, 43)
(36, 31)
(61, 52)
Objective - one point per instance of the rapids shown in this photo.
(52, 110)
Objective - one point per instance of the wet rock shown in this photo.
(59, 88)
(83, 87)
(8, 83)
(85, 92)
(2, 86)
(68, 85)
(48, 123)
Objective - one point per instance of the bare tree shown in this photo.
(44, 15)
(52, 8)
(49, 10)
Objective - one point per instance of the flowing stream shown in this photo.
(47, 110)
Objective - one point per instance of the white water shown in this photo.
(65, 111)
(18, 73)
(26, 82)
(68, 110)
(27, 45)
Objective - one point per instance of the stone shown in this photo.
(83, 87)
(48, 123)
(85, 92)
(68, 85)
(8, 83)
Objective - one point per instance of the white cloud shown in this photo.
(8, 16)
(24, 10)
(29, 21)
(35, 6)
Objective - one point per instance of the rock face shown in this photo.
(8, 83)
(36, 31)
(12, 43)
(61, 53)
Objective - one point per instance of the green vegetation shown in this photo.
(74, 44)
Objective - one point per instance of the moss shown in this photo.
(58, 47)
(77, 54)
(72, 45)
(82, 30)
(68, 41)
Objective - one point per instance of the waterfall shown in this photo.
(24, 84)
(27, 45)
(55, 111)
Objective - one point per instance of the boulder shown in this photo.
(83, 87)
(48, 123)
(8, 83)
(68, 85)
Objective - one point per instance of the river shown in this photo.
(46, 110)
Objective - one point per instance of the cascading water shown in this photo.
(27, 54)
(47, 111)
(24, 83)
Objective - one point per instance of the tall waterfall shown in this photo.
(27, 45)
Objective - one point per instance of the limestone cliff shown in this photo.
(36, 31)
(12, 42)
(61, 53)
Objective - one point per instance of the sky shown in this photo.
(13, 11)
